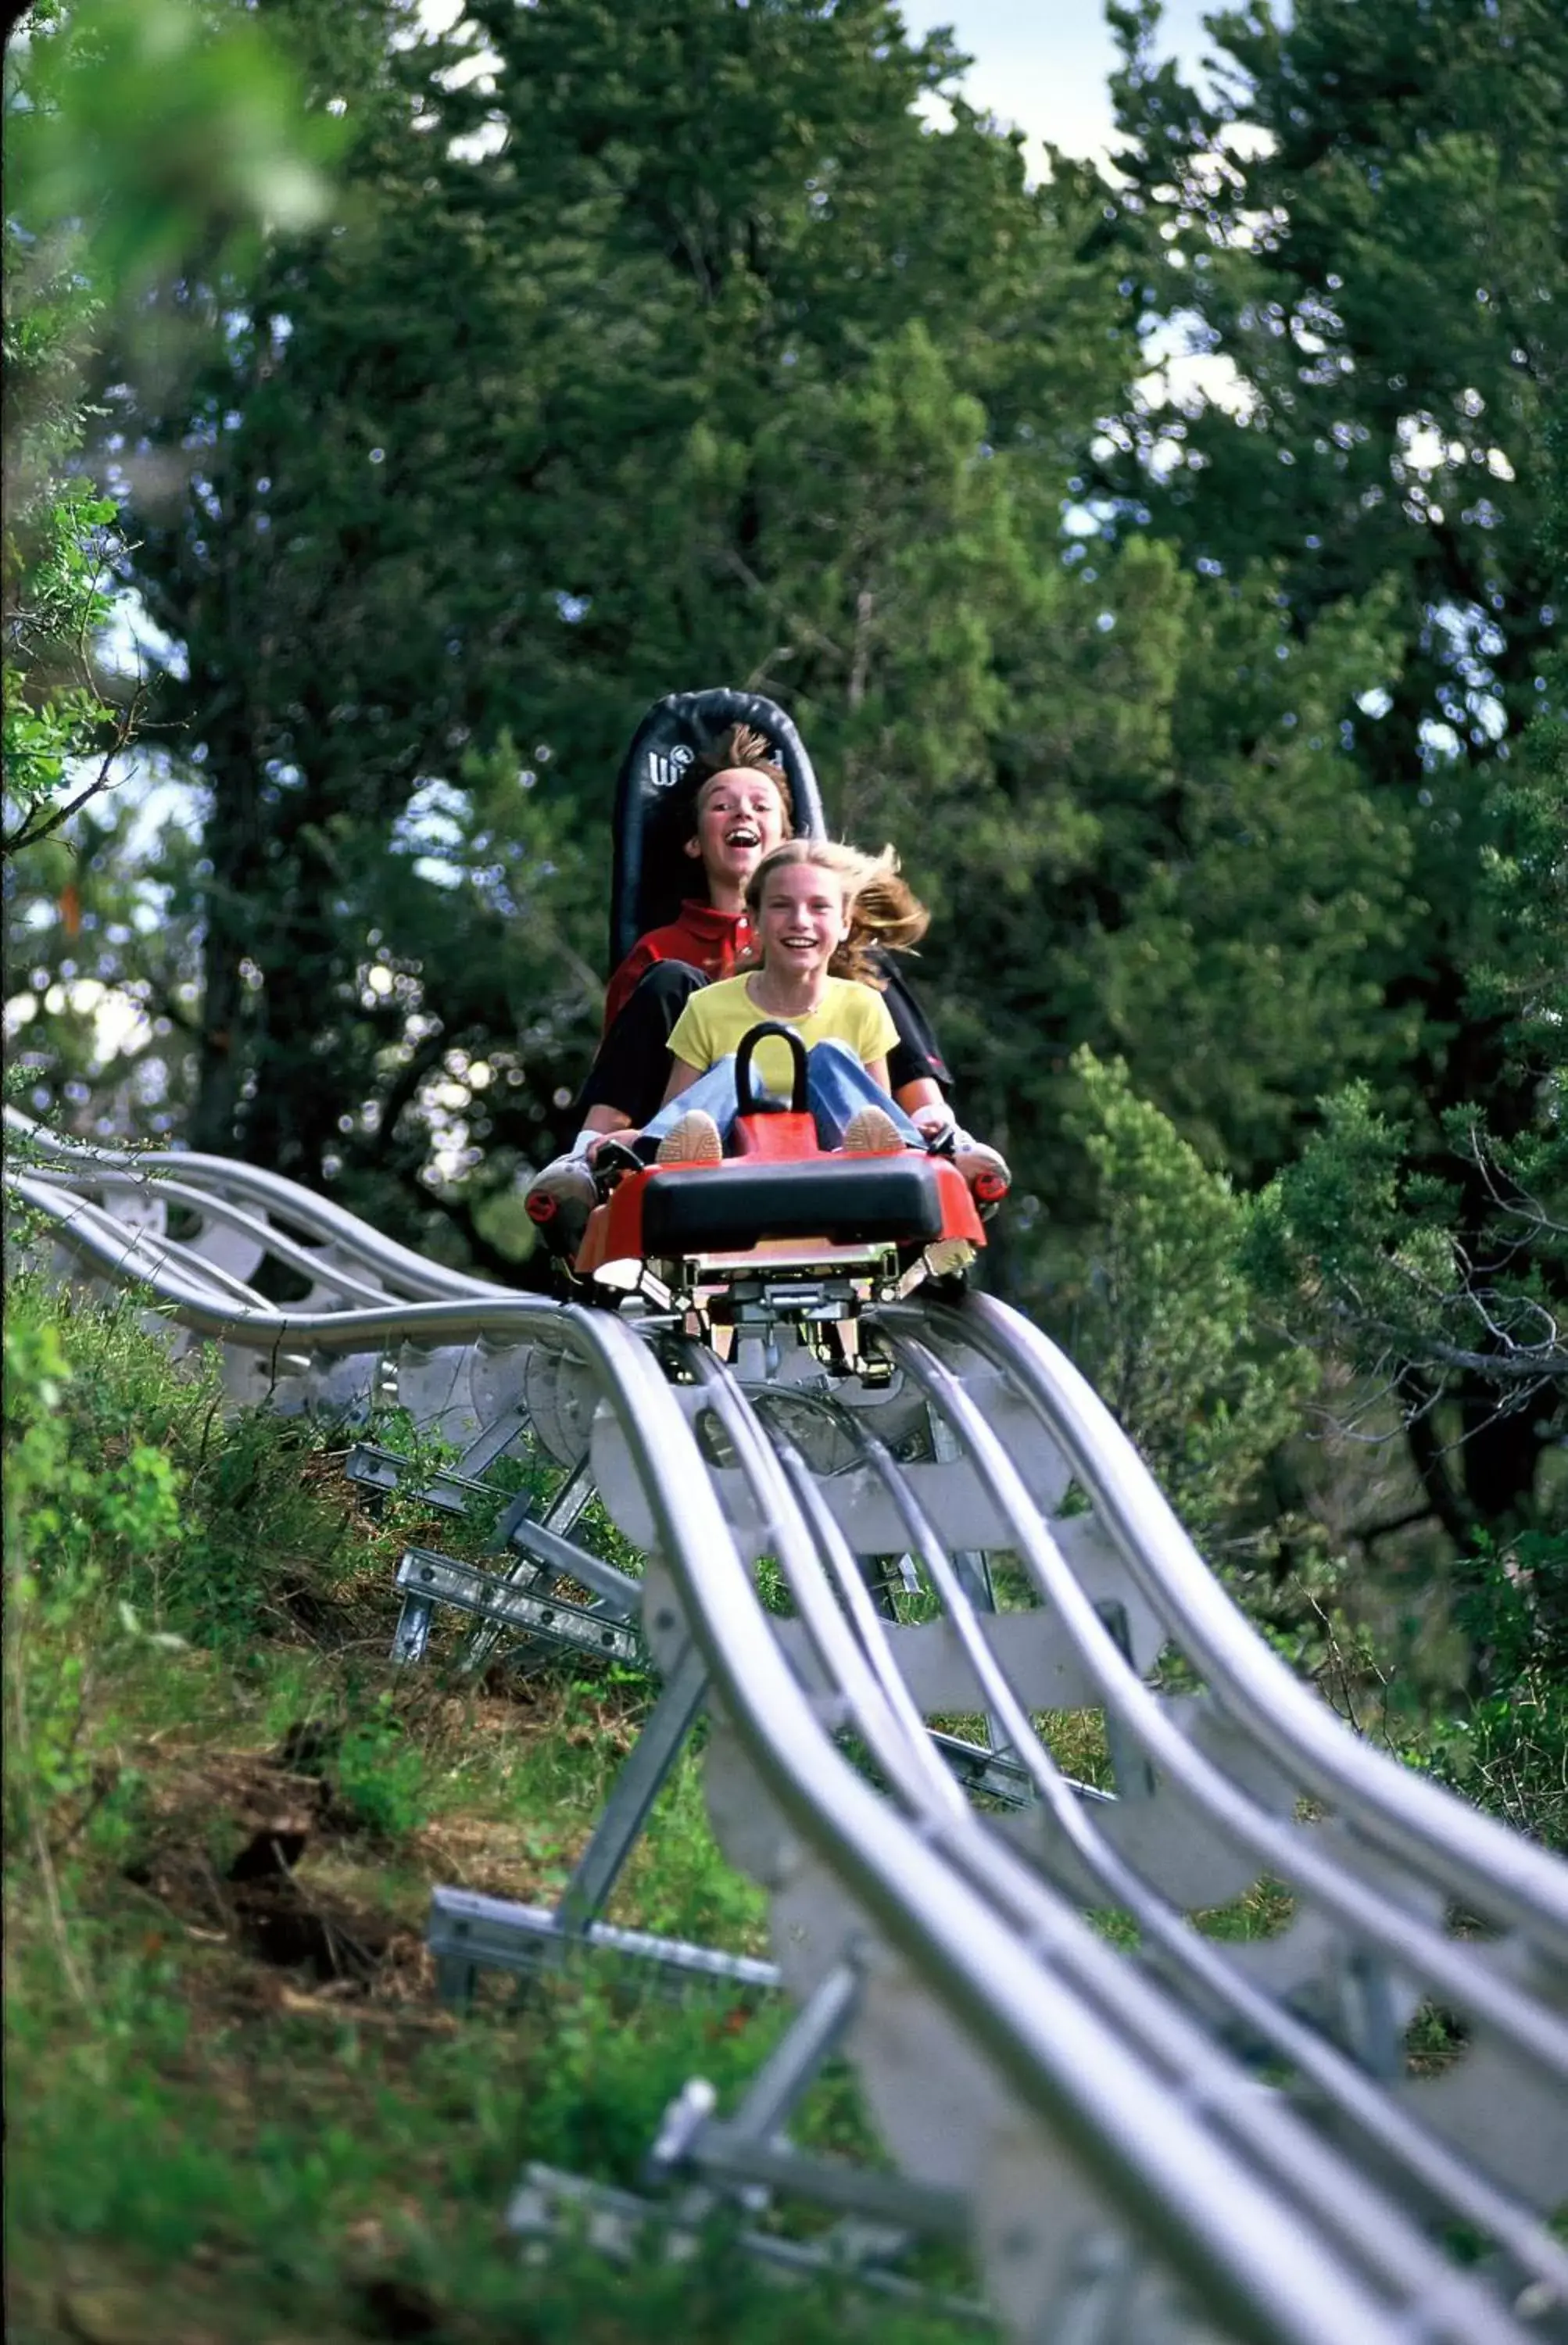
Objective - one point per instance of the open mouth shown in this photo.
(743, 834)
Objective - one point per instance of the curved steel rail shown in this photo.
(1085, 2092)
(227, 1183)
(1404, 1814)
(1443, 1966)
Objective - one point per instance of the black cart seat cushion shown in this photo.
(653, 873)
(850, 1200)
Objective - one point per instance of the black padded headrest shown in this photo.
(652, 797)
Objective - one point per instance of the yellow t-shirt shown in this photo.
(714, 1022)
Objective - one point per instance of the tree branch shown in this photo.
(1404, 1522)
(31, 829)
(1428, 1457)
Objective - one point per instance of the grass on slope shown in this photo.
(235, 2111)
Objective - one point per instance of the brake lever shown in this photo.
(612, 1160)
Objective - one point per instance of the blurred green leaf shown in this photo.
(152, 132)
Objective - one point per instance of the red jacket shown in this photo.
(710, 940)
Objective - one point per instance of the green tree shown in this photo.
(1368, 224)
(606, 382)
(1161, 1316)
(547, 429)
(1374, 1244)
(136, 135)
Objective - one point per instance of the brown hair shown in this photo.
(741, 750)
(883, 910)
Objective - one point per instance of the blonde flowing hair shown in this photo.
(884, 912)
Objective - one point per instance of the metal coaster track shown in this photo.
(1179, 2139)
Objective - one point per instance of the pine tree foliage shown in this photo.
(536, 433)
(1379, 1249)
(1366, 227)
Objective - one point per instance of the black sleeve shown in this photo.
(916, 1054)
(631, 1071)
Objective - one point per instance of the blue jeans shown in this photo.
(836, 1086)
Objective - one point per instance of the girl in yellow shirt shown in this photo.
(814, 906)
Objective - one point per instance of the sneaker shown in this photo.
(872, 1132)
(558, 1201)
(693, 1140)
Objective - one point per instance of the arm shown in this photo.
(681, 1079)
(917, 1092)
(598, 1124)
(602, 1122)
(691, 1051)
(924, 1104)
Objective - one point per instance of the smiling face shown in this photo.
(739, 819)
(801, 919)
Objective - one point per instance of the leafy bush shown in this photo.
(1458, 1662)
(1501, 1738)
(1164, 1320)
(82, 1521)
(378, 1774)
(229, 1489)
(138, 1522)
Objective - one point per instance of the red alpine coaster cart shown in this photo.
(782, 1233)
(781, 1229)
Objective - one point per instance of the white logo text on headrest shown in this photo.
(664, 771)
